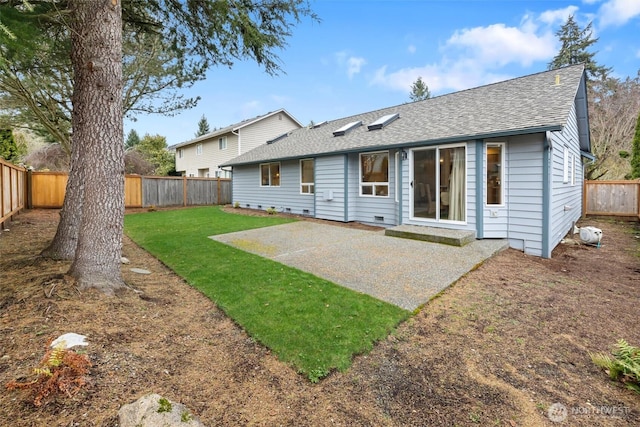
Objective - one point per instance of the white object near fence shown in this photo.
(591, 235)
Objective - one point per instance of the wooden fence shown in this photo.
(47, 190)
(12, 190)
(612, 198)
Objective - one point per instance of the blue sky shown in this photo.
(364, 55)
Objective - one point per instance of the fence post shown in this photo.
(184, 190)
(218, 191)
(638, 198)
(585, 193)
(29, 189)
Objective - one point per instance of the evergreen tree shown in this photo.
(204, 33)
(153, 149)
(8, 147)
(203, 127)
(635, 153)
(133, 139)
(419, 90)
(574, 50)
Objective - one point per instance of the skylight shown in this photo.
(278, 138)
(383, 121)
(346, 128)
(317, 125)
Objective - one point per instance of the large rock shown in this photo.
(154, 410)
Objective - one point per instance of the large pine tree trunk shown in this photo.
(63, 245)
(96, 55)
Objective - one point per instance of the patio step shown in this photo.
(432, 234)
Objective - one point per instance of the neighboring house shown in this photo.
(503, 161)
(202, 156)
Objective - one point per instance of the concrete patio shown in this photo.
(400, 271)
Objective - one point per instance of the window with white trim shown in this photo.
(222, 143)
(198, 149)
(270, 174)
(307, 185)
(495, 174)
(374, 174)
(180, 153)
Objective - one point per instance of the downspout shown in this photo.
(479, 189)
(399, 186)
(547, 181)
(346, 188)
(239, 140)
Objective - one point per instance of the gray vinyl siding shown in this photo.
(470, 195)
(330, 180)
(566, 201)
(286, 198)
(472, 164)
(258, 133)
(496, 217)
(353, 182)
(367, 208)
(524, 198)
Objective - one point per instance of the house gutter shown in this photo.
(360, 149)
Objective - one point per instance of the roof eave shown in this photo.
(410, 144)
(282, 110)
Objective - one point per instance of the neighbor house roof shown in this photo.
(234, 128)
(535, 103)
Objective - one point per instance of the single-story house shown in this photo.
(201, 156)
(503, 160)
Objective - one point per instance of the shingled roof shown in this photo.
(233, 128)
(530, 104)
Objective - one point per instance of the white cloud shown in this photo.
(479, 55)
(618, 12)
(352, 64)
(438, 77)
(500, 45)
(553, 17)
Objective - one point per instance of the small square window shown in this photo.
(222, 143)
(374, 174)
(270, 174)
(307, 176)
(198, 149)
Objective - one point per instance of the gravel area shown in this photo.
(403, 272)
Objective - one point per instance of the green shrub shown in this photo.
(625, 365)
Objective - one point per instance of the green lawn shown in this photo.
(309, 322)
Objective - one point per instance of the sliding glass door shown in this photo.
(439, 183)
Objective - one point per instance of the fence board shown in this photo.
(133, 191)
(162, 191)
(12, 190)
(612, 198)
(48, 189)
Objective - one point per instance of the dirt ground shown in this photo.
(498, 348)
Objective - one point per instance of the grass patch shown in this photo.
(311, 323)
